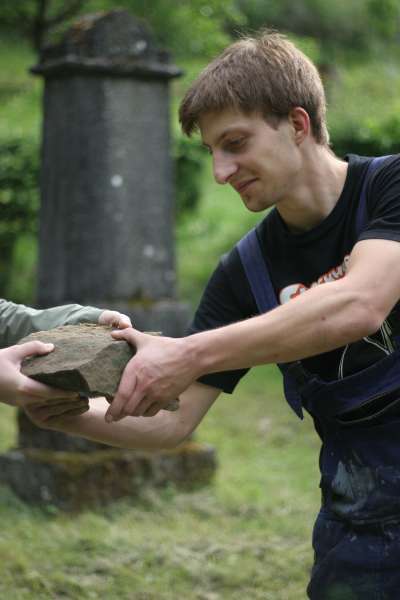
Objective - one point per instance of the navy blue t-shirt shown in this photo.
(298, 261)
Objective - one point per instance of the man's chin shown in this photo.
(255, 205)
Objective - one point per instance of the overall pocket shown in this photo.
(375, 411)
(361, 395)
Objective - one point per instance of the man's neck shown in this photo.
(317, 190)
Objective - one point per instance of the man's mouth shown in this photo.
(243, 185)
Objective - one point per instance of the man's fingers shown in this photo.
(30, 387)
(133, 409)
(124, 395)
(138, 409)
(42, 413)
(21, 351)
(71, 411)
(152, 410)
(129, 334)
(124, 322)
(113, 318)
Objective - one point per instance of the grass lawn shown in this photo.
(245, 537)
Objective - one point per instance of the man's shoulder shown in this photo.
(359, 163)
(385, 178)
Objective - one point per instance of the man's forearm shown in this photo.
(164, 430)
(132, 432)
(323, 318)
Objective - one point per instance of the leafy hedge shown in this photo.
(189, 161)
(371, 138)
(19, 199)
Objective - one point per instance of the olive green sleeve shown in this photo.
(17, 320)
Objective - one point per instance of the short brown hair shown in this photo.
(265, 74)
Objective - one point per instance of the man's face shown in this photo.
(259, 161)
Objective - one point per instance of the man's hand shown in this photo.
(18, 390)
(56, 414)
(159, 372)
(113, 318)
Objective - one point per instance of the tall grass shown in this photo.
(245, 536)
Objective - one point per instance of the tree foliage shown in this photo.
(37, 19)
(345, 24)
(203, 27)
(189, 28)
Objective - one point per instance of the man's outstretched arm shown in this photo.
(323, 318)
(165, 430)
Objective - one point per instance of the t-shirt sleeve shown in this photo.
(220, 306)
(383, 202)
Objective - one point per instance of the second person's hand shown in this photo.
(18, 390)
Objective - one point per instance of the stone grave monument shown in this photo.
(106, 239)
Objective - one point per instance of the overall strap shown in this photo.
(264, 295)
(257, 272)
(361, 216)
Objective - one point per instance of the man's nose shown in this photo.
(223, 169)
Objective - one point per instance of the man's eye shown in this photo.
(235, 144)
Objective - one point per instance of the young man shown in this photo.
(315, 288)
(17, 321)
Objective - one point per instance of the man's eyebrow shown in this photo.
(229, 130)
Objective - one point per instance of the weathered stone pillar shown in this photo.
(106, 222)
(106, 237)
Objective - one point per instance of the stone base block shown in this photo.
(75, 480)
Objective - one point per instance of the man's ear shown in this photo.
(300, 122)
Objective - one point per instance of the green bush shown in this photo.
(189, 162)
(19, 199)
(363, 107)
(369, 138)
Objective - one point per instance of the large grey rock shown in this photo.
(85, 359)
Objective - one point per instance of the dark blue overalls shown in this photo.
(356, 537)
